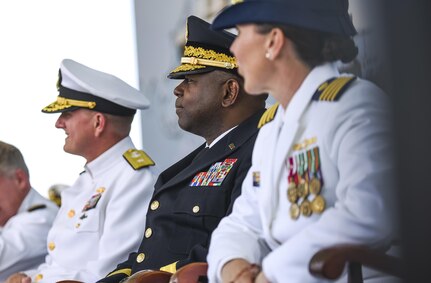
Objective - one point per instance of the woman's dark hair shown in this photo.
(316, 47)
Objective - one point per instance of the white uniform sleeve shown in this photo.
(359, 142)
(237, 234)
(23, 240)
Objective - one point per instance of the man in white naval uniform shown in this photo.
(25, 215)
(322, 167)
(96, 224)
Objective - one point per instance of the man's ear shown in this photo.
(22, 180)
(99, 123)
(231, 92)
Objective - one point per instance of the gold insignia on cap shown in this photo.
(198, 58)
(64, 103)
(138, 159)
(332, 89)
(268, 115)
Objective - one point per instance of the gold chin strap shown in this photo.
(233, 2)
(61, 101)
(206, 62)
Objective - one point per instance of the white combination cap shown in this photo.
(82, 87)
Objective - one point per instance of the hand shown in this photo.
(261, 278)
(18, 278)
(239, 271)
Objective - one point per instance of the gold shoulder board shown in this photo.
(332, 89)
(36, 207)
(138, 158)
(268, 115)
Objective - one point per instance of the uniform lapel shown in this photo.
(187, 169)
(289, 133)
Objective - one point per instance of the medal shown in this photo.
(306, 208)
(315, 186)
(292, 193)
(294, 211)
(318, 204)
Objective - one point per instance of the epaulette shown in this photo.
(333, 89)
(268, 115)
(138, 158)
(36, 207)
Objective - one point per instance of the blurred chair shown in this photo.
(329, 263)
(54, 193)
(143, 276)
(191, 273)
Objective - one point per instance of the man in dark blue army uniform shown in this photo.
(193, 195)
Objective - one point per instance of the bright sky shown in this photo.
(35, 37)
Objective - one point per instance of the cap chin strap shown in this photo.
(72, 102)
(206, 62)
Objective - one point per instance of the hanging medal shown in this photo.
(318, 204)
(292, 190)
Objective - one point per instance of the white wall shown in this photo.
(35, 37)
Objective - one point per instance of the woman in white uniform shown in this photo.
(322, 165)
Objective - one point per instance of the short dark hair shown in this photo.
(316, 47)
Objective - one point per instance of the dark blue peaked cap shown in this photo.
(206, 50)
(322, 15)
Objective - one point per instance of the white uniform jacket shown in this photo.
(346, 145)
(96, 226)
(23, 237)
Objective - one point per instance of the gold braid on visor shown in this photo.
(63, 103)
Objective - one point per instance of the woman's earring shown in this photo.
(268, 55)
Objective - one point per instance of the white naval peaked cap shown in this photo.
(82, 87)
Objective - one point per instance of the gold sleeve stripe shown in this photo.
(126, 271)
(170, 267)
(268, 116)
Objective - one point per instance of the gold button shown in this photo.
(100, 190)
(38, 277)
(71, 213)
(196, 209)
(154, 205)
(140, 258)
(148, 232)
(51, 246)
(77, 225)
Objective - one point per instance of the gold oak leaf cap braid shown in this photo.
(206, 50)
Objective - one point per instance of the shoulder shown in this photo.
(138, 159)
(36, 207)
(332, 89)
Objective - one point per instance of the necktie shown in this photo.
(201, 153)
